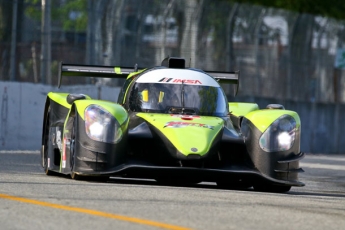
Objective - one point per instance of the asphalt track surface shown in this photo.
(31, 200)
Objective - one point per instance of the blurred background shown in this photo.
(290, 52)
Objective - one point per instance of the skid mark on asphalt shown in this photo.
(94, 213)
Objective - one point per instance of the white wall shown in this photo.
(21, 123)
(22, 107)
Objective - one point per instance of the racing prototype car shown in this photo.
(172, 124)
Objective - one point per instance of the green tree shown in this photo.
(5, 17)
(72, 14)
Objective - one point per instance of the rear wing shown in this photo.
(93, 71)
(227, 78)
(72, 70)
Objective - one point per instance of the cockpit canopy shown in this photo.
(180, 91)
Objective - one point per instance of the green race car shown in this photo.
(172, 124)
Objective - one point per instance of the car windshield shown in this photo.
(179, 98)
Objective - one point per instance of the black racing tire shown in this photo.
(73, 150)
(45, 147)
(272, 188)
(234, 185)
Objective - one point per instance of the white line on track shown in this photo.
(19, 152)
(331, 157)
(322, 166)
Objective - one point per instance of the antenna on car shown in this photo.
(136, 67)
(190, 61)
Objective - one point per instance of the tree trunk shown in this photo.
(46, 43)
(161, 52)
(99, 6)
(301, 45)
(189, 41)
(118, 26)
(230, 62)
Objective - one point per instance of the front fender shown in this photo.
(94, 155)
(281, 165)
(239, 109)
(262, 119)
(114, 109)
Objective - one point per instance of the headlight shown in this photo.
(280, 136)
(100, 125)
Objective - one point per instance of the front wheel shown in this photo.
(73, 151)
(45, 146)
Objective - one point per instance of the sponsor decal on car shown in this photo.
(178, 76)
(65, 140)
(177, 80)
(181, 124)
(58, 138)
(186, 81)
(185, 117)
(165, 79)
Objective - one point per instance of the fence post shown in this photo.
(13, 42)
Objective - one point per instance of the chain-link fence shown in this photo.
(279, 53)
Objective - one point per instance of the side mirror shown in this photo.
(275, 106)
(73, 97)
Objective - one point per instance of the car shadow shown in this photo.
(209, 186)
(213, 186)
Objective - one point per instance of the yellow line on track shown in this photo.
(94, 213)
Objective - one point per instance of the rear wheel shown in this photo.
(45, 147)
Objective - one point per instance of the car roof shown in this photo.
(177, 76)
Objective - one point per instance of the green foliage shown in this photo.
(72, 14)
(78, 8)
(33, 9)
(5, 17)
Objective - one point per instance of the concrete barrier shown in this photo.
(322, 124)
(22, 105)
(21, 111)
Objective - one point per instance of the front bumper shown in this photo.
(202, 174)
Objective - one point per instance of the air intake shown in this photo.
(174, 62)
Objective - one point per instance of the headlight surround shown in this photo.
(280, 136)
(102, 126)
